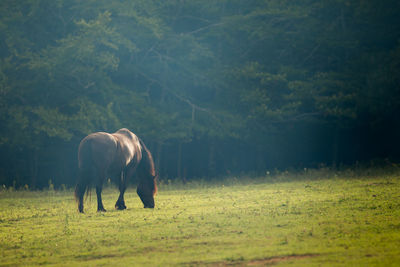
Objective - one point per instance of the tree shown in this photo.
(212, 86)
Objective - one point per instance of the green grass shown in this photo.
(336, 220)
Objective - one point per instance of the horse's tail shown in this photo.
(85, 174)
(147, 163)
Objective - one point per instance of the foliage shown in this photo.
(318, 218)
(254, 73)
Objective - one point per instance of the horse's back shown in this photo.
(97, 150)
(109, 152)
(129, 148)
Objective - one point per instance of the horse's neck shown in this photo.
(147, 161)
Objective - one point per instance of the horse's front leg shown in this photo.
(120, 204)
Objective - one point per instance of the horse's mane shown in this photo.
(147, 166)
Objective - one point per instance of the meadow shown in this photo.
(311, 218)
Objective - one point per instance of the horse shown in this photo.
(118, 155)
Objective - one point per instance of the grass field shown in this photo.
(310, 219)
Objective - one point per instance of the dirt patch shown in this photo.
(275, 260)
(260, 262)
(380, 183)
(94, 257)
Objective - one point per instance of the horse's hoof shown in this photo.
(101, 210)
(120, 205)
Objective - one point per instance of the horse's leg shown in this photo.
(100, 206)
(120, 205)
(80, 192)
(99, 188)
(81, 187)
(80, 202)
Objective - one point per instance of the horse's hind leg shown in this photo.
(79, 193)
(100, 206)
(81, 188)
(99, 187)
(120, 205)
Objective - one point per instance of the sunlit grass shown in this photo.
(337, 220)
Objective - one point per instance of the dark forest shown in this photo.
(214, 88)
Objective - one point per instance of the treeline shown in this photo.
(213, 87)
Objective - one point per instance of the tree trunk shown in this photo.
(33, 170)
(335, 148)
(211, 160)
(179, 165)
(158, 159)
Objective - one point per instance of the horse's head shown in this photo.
(146, 191)
(148, 178)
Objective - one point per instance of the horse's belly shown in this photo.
(97, 150)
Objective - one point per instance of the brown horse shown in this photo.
(119, 156)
